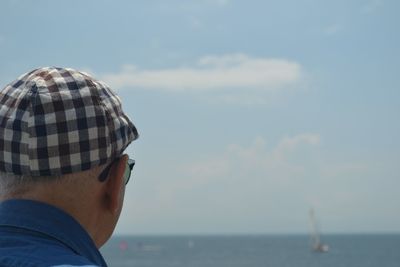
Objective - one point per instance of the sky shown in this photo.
(250, 113)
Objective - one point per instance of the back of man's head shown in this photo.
(60, 130)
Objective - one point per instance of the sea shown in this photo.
(361, 250)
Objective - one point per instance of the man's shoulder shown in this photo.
(33, 234)
(28, 253)
(41, 260)
(67, 265)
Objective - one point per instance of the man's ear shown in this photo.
(115, 183)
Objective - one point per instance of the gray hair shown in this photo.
(12, 184)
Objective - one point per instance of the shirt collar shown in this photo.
(51, 221)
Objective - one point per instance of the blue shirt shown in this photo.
(34, 234)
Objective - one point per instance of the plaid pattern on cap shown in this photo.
(55, 121)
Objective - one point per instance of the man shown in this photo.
(62, 168)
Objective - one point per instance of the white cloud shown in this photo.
(236, 183)
(233, 71)
(255, 162)
(288, 144)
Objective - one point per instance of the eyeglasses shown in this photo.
(127, 173)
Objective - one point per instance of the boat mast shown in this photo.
(315, 239)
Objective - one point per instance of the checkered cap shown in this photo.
(55, 121)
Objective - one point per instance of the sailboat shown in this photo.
(317, 245)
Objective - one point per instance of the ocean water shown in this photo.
(252, 251)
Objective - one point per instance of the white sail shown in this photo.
(317, 245)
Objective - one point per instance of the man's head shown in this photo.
(62, 137)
